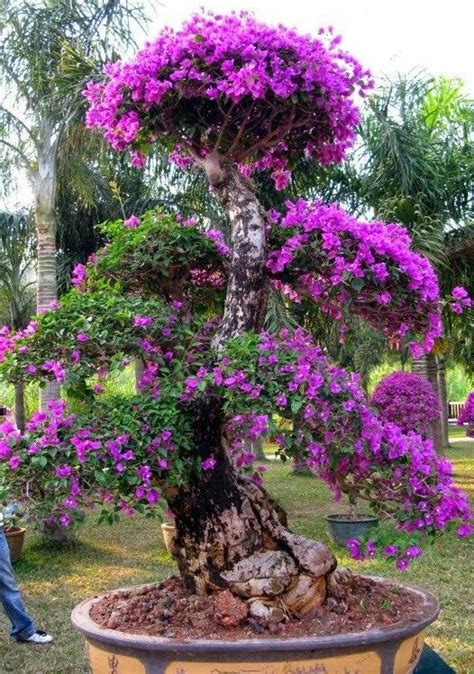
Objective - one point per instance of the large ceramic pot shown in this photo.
(15, 538)
(342, 528)
(392, 650)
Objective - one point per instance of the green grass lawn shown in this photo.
(54, 579)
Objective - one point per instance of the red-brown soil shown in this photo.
(165, 610)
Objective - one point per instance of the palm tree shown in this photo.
(50, 48)
(416, 168)
(17, 279)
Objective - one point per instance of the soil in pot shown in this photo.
(342, 527)
(166, 610)
(15, 538)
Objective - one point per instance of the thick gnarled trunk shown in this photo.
(229, 533)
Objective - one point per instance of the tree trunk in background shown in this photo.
(44, 188)
(20, 405)
(428, 368)
(443, 395)
(256, 447)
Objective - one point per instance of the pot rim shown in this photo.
(83, 623)
(347, 519)
(14, 531)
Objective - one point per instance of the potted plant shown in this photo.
(14, 532)
(343, 527)
(232, 96)
(168, 529)
(408, 400)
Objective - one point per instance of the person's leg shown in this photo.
(10, 596)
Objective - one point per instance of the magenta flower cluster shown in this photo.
(366, 268)
(402, 556)
(461, 300)
(256, 95)
(408, 400)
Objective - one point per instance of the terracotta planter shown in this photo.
(169, 532)
(342, 528)
(393, 650)
(15, 538)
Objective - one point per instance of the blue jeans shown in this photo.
(10, 596)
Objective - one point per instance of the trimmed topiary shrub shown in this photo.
(408, 400)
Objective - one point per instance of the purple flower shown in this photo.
(391, 550)
(14, 462)
(65, 520)
(63, 471)
(402, 564)
(465, 530)
(132, 222)
(142, 321)
(82, 337)
(413, 551)
(208, 464)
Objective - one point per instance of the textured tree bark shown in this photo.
(428, 368)
(43, 181)
(229, 533)
(245, 303)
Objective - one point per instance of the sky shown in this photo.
(387, 37)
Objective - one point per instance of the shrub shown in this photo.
(408, 400)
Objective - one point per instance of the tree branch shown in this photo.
(18, 151)
(17, 120)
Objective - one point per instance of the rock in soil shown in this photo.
(166, 610)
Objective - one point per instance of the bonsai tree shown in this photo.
(229, 95)
(408, 400)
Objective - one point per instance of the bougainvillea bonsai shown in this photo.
(408, 400)
(466, 415)
(229, 95)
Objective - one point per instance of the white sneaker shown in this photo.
(39, 637)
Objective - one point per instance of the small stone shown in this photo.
(276, 615)
(256, 626)
(259, 610)
(169, 634)
(232, 610)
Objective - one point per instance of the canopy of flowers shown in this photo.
(365, 268)
(258, 96)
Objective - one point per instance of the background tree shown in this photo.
(17, 280)
(49, 49)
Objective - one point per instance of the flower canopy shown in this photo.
(258, 96)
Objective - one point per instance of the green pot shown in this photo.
(342, 528)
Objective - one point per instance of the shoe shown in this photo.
(39, 637)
